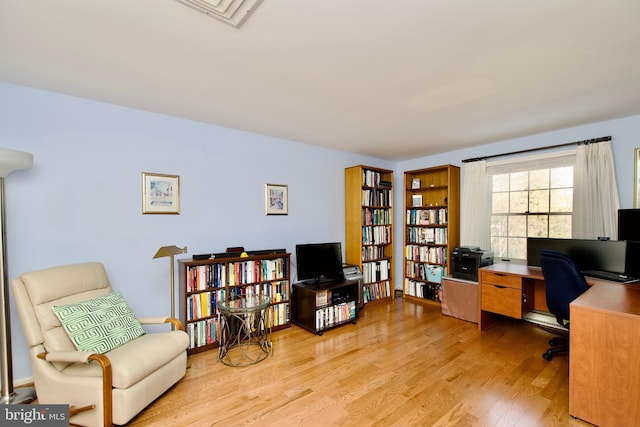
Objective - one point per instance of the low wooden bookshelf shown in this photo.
(202, 283)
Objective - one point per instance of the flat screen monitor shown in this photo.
(318, 262)
(629, 224)
(603, 255)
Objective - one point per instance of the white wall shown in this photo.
(81, 200)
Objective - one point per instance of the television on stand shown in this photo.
(318, 263)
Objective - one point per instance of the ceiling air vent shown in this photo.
(233, 12)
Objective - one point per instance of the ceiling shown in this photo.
(393, 79)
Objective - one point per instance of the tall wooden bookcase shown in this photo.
(369, 228)
(202, 283)
(432, 229)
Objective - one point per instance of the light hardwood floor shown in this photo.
(402, 364)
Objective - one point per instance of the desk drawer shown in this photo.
(508, 280)
(502, 300)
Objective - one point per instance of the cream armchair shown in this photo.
(101, 389)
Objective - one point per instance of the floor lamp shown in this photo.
(170, 251)
(10, 160)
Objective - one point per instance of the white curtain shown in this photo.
(595, 193)
(475, 205)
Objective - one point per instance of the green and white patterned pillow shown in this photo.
(99, 324)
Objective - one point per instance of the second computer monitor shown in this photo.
(603, 255)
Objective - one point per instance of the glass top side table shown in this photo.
(245, 330)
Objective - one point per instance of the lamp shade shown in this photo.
(11, 160)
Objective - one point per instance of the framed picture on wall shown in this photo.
(160, 193)
(276, 199)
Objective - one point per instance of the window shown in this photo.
(530, 198)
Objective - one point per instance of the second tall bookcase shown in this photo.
(432, 229)
(369, 228)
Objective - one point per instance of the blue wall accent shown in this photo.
(81, 201)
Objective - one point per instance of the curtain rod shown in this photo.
(585, 142)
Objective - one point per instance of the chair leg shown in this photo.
(557, 344)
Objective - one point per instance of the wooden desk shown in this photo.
(511, 290)
(604, 373)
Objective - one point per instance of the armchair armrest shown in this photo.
(160, 320)
(67, 356)
(107, 377)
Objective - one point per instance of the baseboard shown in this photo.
(27, 381)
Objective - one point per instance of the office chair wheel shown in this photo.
(547, 356)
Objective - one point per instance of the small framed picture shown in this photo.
(416, 200)
(160, 193)
(276, 199)
(415, 183)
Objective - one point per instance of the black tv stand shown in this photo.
(317, 307)
(321, 282)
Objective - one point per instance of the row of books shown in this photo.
(377, 290)
(436, 216)
(373, 179)
(376, 234)
(376, 198)
(432, 254)
(217, 275)
(430, 291)
(277, 291)
(203, 332)
(376, 271)
(437, 236)
(327, 317)
(203, 304)
(323, 297)
(370, 253)
(423, 271)
(279, 314)
(245, 272)
(376, 216)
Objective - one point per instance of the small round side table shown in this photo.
(245, 330)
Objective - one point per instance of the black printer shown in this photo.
(466, 260)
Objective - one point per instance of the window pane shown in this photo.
(539, 179)
(499, 247)
(561, 200)
(519, 181)
(535, 203)
(501, 182)
(518, 248)
(562, 177)
(519, 202)
(539, 201)
(499, 225)
(500, 203)
(518, 226)
(560, 226)
(538, 226)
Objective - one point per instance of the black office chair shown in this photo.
(564, 283)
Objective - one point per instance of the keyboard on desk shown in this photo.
(608, 275)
